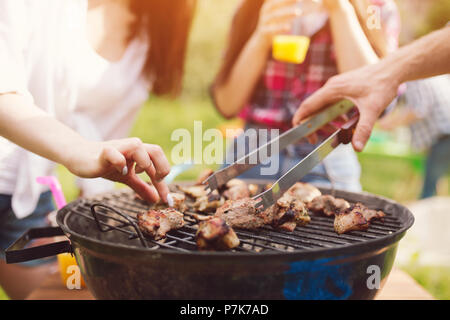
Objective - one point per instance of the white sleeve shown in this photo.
(13, 39)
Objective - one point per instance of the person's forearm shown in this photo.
(352, 47)
(31, 128)
(423, 58)
(232, 93)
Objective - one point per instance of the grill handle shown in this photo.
(18, 253)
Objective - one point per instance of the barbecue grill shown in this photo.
(118, 262)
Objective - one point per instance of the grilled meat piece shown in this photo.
(286, 214)
(209, 203)
(156, 223)
(290, 214)
(304, 192)
(370, 214)
(357, 217)
(241, 213)
(215, 234)
(327, 205)
(177, 201)
(194, 192)
(236, 189)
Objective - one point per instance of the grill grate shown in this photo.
(319, 233)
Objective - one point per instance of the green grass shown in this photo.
(3, 295)
(434, 279)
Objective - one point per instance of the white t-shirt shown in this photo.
(46, 57)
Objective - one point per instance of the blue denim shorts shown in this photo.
(12, 228)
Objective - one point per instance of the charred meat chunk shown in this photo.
(290, 214)
(371, 215)
(241, 213)
(156, 223)
(357, 217)
(327, 205)
(216, 234)
(286, 214)
(209, 203)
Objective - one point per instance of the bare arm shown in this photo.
(427, 57)
(372, 88)
(352, 47)
(31, 128)
(236, 89)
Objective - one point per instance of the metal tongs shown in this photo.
(268, 197)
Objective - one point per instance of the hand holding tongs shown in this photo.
(268, 197)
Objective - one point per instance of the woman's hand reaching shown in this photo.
(31, 128)
(115, 160)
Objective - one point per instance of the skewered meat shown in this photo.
(156, 223)
(357, 217)
(236, 189)
(327, 205)
(215, 234)
(241, 213)
(208, 203)
(304, 192)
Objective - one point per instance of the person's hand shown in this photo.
(115, 160)
(276, 17)
(370, 88)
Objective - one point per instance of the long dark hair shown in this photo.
(165, 24)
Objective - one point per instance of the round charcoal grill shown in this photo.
(313, 262)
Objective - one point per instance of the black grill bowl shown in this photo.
(318, 264)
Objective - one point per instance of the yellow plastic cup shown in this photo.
(69, 270)
(290, 48)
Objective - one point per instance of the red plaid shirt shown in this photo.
(284, 86)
